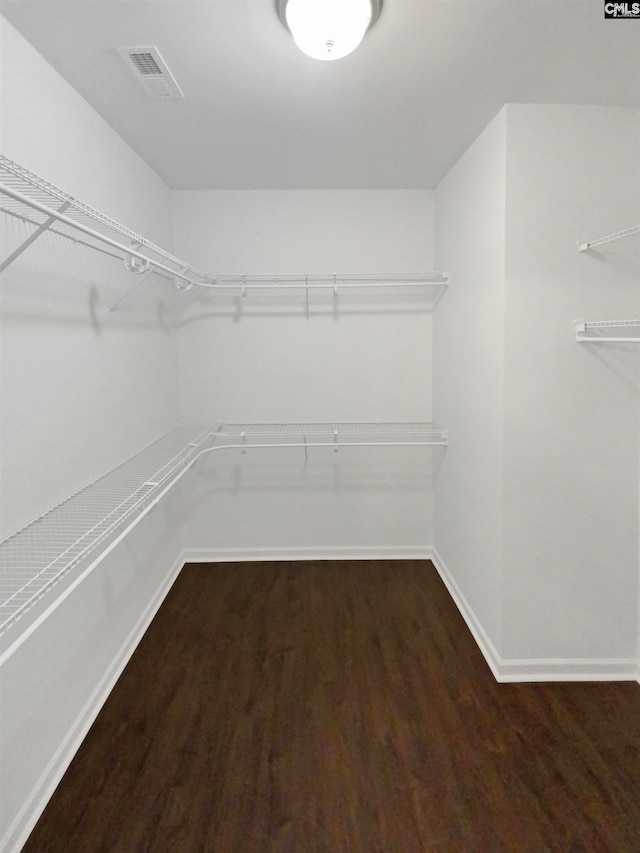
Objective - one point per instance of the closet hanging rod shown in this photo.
(128, 251)
(591, 244)
(601, 339)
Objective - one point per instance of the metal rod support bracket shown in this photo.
(32, 238)
(140, 281)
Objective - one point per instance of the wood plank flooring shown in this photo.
(336, 707)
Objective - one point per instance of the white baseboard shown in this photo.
(473, 623)
(24, 822)
(548, 669)
(504, 670)
(340, 552)
(568, 669)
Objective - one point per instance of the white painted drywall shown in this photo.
(468, 374)
(537, 497)
(571, 410)
(55, 683)
(358, 357)
(81, 391)
(271, 504)
(536, 503)
(82, 388)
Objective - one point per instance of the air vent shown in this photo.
(151, 71)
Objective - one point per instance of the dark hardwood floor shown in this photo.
(341, 707)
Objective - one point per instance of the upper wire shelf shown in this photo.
(600, 331)
(48, 208)
(72, 537)
(328, 281)
(37, 201)
(600, 241)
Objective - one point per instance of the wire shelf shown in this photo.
(31, 220)
(595, 331)
(38, 556)
(42, 205)
(364, 433)
(328, 281)
(62, 542)
(610, 238)
(16, 178)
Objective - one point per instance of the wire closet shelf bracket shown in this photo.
(43, 205)
(69, 540)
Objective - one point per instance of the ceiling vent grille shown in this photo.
(151, 71)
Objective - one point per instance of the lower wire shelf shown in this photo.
(608, 331)
(336, 435)
(72, 537)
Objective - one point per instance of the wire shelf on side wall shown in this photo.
(42, 204)
(64, 540)
(608, 331)
(585, 245)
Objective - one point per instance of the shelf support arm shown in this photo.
(141, 280)
(38, 233)
(128, 252)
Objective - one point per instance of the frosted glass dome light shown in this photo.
(328, 29)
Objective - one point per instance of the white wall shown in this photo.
(468, 375)
(363, 356)
(55, 682)
(537, 497)
(82, 388)
(536, 504)
(571, 410)
(261, 359)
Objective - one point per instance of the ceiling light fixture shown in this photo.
(328, 29)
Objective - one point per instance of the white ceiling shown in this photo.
(395, 114)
